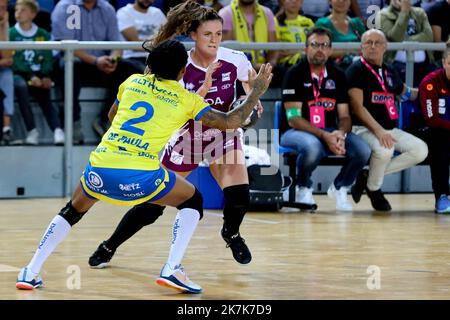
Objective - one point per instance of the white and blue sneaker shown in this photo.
(177, 279)
(341, 197)
(28, 280)
(443, 204)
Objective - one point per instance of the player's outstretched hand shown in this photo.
(261, 81)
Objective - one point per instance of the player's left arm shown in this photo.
(236, 117)
(112, 112)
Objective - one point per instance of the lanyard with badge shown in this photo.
(389, 102)
(316, 112)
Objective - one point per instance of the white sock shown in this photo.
(56, 232)
(183, 228)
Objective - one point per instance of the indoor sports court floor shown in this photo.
(404, 254)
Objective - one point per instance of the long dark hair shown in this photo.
(184, 18)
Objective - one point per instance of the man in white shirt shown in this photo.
(139, 21)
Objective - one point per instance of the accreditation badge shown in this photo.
(392, 110)
(317, 116)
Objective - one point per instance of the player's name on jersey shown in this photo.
(127, 140)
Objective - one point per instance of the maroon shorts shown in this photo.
(195, 143)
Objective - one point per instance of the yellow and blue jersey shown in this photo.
(125, 168)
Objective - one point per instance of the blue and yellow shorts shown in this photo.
(126, 186)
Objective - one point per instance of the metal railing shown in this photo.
(70, 46)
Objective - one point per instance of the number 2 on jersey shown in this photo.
(129, 125)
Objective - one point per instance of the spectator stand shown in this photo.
(66, 159)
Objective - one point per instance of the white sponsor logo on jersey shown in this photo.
(176, 158)
(129, 187)
(429, 108)
(212, 89)
(226, 76)
(190, 86)
(218, 101)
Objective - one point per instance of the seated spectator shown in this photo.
(435, 101)
(438, 15)
(317, 112)
(315, 9)
(343, 29)
(43, 18)
(32, 69)
(6, 77)
(290, 27)
(373, 87)
(402, 22)
(95, 68)
(138, 22)
(215, 4)
(247, 21)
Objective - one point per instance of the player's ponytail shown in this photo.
(184, 18)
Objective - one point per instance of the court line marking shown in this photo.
(246, 219)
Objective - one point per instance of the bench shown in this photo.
(410, 115)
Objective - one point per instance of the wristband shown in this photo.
(293, 112)
(407, 95)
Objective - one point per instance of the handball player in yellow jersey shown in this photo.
(125, 169)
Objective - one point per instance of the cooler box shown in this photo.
(208, 187)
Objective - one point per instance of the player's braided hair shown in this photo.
(166, 59)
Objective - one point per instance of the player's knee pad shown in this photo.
(147, 213)
(71, 215)
(194, 202)
(237, 197)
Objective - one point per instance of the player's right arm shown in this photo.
(236, 117)
(112, 112)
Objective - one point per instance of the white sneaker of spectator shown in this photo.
(304, 195)
(32, 137)
(58, 136)
(341, 197)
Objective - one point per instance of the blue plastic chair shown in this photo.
(290, 159)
